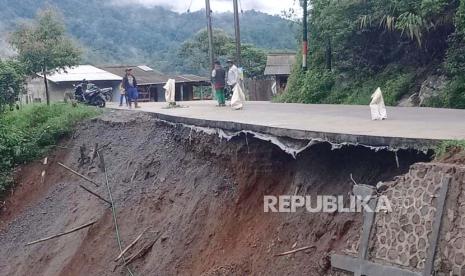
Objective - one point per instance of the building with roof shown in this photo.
(150, 83)
(279, 66)
(61, 82)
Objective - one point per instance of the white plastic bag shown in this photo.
(238, 97)
(378, 109)
(170, 91)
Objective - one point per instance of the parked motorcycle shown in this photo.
(108, 93)
(91, 94)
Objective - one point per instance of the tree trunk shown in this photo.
(329, 53)
(47, 95)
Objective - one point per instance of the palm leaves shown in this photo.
(388, 22)
(411, 24)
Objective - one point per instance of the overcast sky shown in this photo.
(269, 6)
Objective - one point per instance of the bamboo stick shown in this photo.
(62, 234)
(94, 194)
(131, 245)
(78, 174)
(295, 250)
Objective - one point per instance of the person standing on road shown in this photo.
(233, 74)
(234, 82)
(218, 81)
(130, 85)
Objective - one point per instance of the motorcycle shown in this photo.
(90, 94)
(108, 93)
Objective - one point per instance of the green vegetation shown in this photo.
(12, 81)
(29, 133)
(133, 34)
(43, 46)
(356, 46)
(448, 145)
(195, 53)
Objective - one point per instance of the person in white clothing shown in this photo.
(233, 74)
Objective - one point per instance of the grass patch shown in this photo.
(317, 86)
(448, 145)
(29, 133)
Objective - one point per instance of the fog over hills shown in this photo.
(133, 34)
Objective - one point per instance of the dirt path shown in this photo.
(200, 198)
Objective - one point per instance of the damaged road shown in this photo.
(196, 197)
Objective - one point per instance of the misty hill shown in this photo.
(133, 34)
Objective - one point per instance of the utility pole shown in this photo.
(210, 32)
(304, 37)
(238, 33)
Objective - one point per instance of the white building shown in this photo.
(62, 81)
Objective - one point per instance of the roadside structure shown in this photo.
(150, 83)
(62, 81)
(279, 66)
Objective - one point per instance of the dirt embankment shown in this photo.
(200, 198)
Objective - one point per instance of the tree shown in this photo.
(11, 82)
(44, 47)
(194, 53)
(253, 59)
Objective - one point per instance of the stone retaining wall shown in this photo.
(402, 238)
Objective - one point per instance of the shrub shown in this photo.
(29, 133)
(455, 93)
(447, 145)
(312, 86)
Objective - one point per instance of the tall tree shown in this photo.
(11, 82)
(44, 47)
(194, 53)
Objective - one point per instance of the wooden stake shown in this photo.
(143, 251)
(295, 251)
(62, 234)
(131, 245)
(93, 154)
(78, 174)
(133, 176)
(94, 194)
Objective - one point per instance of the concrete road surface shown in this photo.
(337, 123)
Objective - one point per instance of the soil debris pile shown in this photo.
(198, 198)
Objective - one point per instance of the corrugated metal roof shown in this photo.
(80, 72)
(145, 68)
(142, 76)
(279, 64)
(193, 78)
(147, 77)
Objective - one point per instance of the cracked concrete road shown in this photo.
(403, 122)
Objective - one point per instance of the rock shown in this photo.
(409, 101)
(432, 87)
(381, 187)
(363, 190)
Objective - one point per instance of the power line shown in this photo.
(237, 32)
(210, 31)
(189, 8)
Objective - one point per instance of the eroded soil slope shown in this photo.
(201, 199)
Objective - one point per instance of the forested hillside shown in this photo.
(413, 49)
(135, 34)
